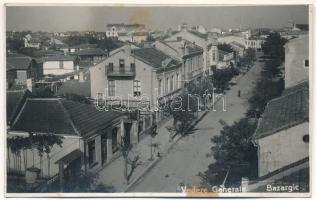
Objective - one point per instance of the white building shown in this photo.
(58, 65)
(296, 61)
(282, 135)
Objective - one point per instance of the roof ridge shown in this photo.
(69, 117)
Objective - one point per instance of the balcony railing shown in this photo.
(119, 72)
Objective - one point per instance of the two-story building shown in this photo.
(190, 55)
(129, 77)
(199, 39)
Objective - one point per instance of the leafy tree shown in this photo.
(14, 44)
(221, 78)
(225, 47)
(274, 46)
(233, 150)
(183, 108)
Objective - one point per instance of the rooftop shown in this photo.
(60, 58)
(15, 100)
(153, 57)
(90, 52)
(62, 117)
(284, 112)
(18, 61)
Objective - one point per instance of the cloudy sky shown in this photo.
(96, 18)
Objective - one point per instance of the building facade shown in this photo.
(296, 61)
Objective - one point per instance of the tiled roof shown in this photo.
(152, 56)
(18, 62)
(84, 46)
(60, 58)
(62, 117)
(284, 112)
(15, 100)
(44, 53)
(92, 51)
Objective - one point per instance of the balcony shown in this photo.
(120, 72)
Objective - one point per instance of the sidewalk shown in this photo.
(113, 174)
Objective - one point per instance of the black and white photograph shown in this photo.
(151, 100)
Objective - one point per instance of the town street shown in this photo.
(191, 154)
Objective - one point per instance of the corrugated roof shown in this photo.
(62, 117)
(284, 112)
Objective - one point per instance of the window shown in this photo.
(306, 63)
(306, 138)
(122, 65)
(179, 38)
(132, 67)
(213, 55)
(114, 140)
(178, 81)
(171, 84)
(91, 152)
(137, 88)
(111, 67)
(61, 65)
(160, 87)
(167, 86)
(111, 85)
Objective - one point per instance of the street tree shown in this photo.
(183, 108)
(233, 149)
(274, 46)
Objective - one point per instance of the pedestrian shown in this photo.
(239, 93)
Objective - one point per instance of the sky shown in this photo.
(81, 18)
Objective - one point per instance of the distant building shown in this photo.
(20, 69)
(139, 37)
(91, 54)
(225, 59)
(282, 134)
(125, 37)
(238, 48)
(199, 39)
(113, 30)
(296, 61)
(190, 55)
(58, 65)
(80, 47)
(254, 42)
(30, 42)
